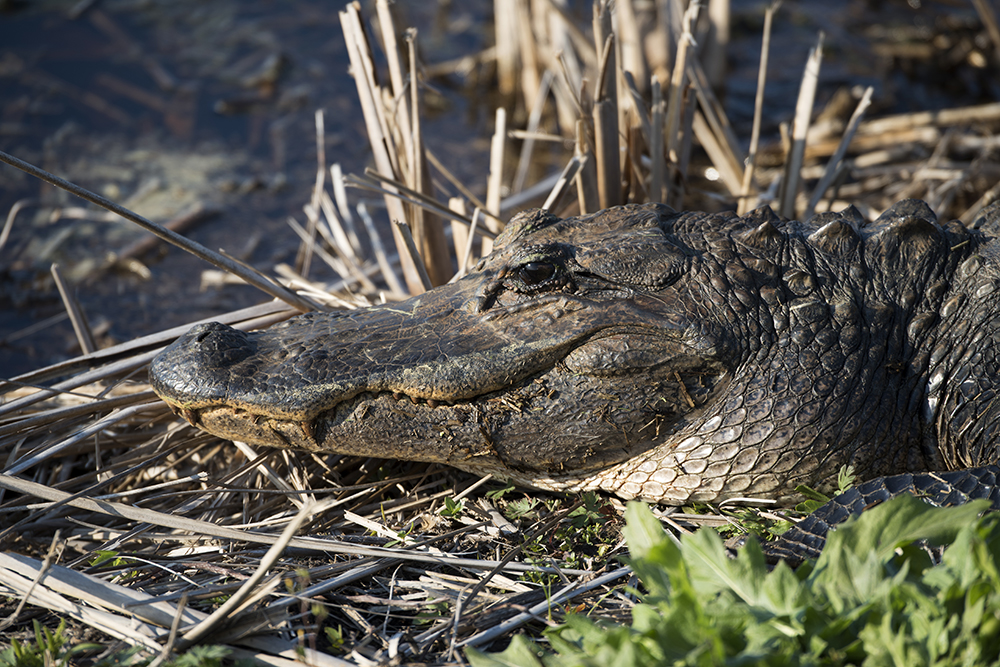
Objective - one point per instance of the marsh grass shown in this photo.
(120, 517)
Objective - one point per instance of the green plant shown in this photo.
(874, 597)
(201, 656)
(49, 648)
(452, 508)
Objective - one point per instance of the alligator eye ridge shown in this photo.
(535, 273)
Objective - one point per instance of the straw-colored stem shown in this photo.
(84, 334)
(370, 97)
(803, 115)
(586, 178)
(834, 164)
(658, 169)
(746, 201)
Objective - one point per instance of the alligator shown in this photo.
(667, 356)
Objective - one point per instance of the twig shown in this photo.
(534, 118)
(84, 334)
(11, 216)
(411, 248)
(567, 593)
(379, 249)
(270, 558)
(569, 173)
(988, 15)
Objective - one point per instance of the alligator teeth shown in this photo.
(308, 430)
(416, 400)
(190, 416)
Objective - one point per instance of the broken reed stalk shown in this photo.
(658, 167)
(605, 110)
(586, 179)
(744, 202)
(506, 40)
(303, 260)
(676, 106)
(379, 135)
(433, 244)
(404, 113)
(792, 179)
(494, 185)
(833, 165)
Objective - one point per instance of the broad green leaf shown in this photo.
(643, 531)
(654, 557)
(712, 570)
(850, 564)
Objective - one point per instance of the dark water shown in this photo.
(163, 105)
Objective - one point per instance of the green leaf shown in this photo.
(712, 570)
(879, 531)
(845, 479)
(520, 653)
(102, 557)
(654, 557)
(873, 598)
(452, 508)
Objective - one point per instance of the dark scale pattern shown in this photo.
(674, 357)
(807, 538)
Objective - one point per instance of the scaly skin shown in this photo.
(667, 356)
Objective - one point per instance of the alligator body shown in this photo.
(667, 356)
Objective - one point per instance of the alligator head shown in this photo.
(636, 350)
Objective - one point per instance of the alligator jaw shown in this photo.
(567, 408)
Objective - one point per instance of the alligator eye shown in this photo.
(534, 273)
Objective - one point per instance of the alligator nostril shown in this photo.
(219, 345)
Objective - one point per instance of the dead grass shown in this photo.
(120, 516)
